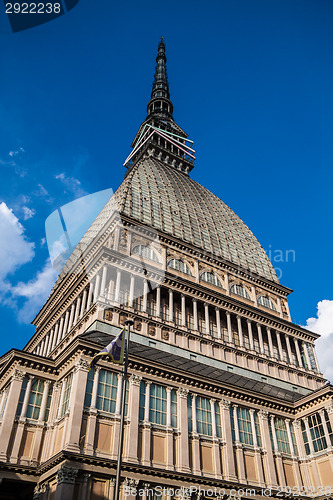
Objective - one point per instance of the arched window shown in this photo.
(210, 278)
(145, 251)
(239, 290)
(180, 266)
(266, 302)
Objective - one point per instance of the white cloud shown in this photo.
(15, 248)
(323, 324)
(28, 213)
(15, 153)
(71, 184)
(35, 292)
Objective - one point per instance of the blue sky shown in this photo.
(251, 83)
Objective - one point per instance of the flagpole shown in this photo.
(128, 324)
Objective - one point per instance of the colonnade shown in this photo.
(114, 286)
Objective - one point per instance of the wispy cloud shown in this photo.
(15, 248)
(15, 251)
(34, 292)
(71, 184)
(17, 152)
(28, 213)
(323, 324)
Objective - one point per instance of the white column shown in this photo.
(226, 283)
(212, 410)
(278, 338)
(194, 414)
(195, 314)
(90, 295)
(77, 309)
(261, 342)
(44, 400)
(270, 342)
(158, 301)
(84, 302)
(145, 295)
(71, 317)
(61, 326)
(103, 282)
(55, 336)
(168, 415)
(234, 409)
(290, 354)
(26, 397)
(64, 331)
(207, 326)
(308, 433)
(131, 291)
(118, 400)
(95, 388)
(249, 329)
(254, 296)
(290, 439)
(170, 305)
(147, 400)
(240, 331)
(118, 281)
(307, 357)
(3, 397)
(47, 342)
(253, 428)
(218, 323)
(97, 287)
(61, 400)
(183, 310)
(315, 356)
(276, 447)
(230, 336)
(323, 421)
(298, 353)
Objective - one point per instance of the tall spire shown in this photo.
(160, 103)
(159, 136)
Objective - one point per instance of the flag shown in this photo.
(115, 350)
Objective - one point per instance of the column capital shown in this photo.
(47, 382)
(148, 382)
(224, 404)
(252, 410)
(263, 414)
(67, 475)
(18, 374)
(182, 392)
(135, 379)
(296, 424)
(82, 364)
(212, 400)
(193, 396)
(169, 389)
(329, 408)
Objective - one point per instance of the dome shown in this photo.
(160, 196)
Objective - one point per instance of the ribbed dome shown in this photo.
(164, 198)
(168, 200)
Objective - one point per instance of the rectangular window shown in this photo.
(35, 399)
(173, 409)
(48, 403)
(329, 427)
(218, 420)
(67, 393)
(89, 386)
(282, 435)
(244, 424)
(305, 438)
(107, 391)
(204, 416)
(317, 432)
(21, 398)
(232, 423)
(158, 404)
(189, 413)
(257, 427)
